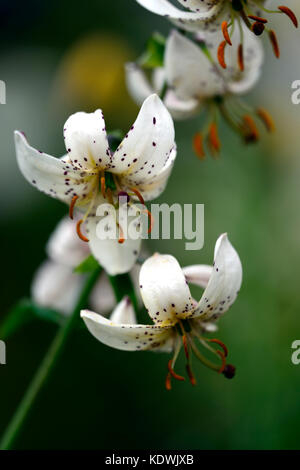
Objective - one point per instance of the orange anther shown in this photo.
(191, 375)
(214, 137)
(241, 57)
(103, 188)
(266, 119)
(78, 230)
(274, 42)
(168, 381)
(252, 133)
(287, 11)
(185, 345)
(221, 54)
(258, 18)
(71, 209)
(225, 33)
(173, 373)
(198, 145)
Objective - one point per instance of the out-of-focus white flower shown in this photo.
(211, 16)
(57, 286)
(91, 174)
(178, 318)
(194, 82)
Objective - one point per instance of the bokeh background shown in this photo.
(63, 56)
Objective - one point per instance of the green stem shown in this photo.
(46, 367)
(122, 286)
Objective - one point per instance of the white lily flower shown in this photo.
(91, 174)
(56, 286)
(178, 318)
(211, 16)
(195, 83)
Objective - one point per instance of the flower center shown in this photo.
(186, 333)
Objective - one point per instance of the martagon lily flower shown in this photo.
(178, 319)
(91, 174)
(193, 82)
(222, 15)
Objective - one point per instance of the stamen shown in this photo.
(267, 119)
(287, 11)
(190, 374)
(198, 145)
(258, 18)
(229, 371)
(241, 57)
(258, 28)
(221, 54)
(225, 33)
(220, 343)
(71, 209)
(138, 194)
(168, 381)
(274, 42)
(173, 373)
(78, 230)
(185, 345)
(150, 219)
(253, 134)
(103, 188)
(222, 356)
(214, 137)
(121, 236)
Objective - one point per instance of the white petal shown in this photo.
(188, 70)
(152, 187)
(86, 140)
(52, 176)
(181, 109)
(124, 313)
(64, 245)
(114, 257)
(197, 5)
(102, 298)
(198, 274)
(137, 83)
(146, 148)
(224, 283)
(55, 286)
(126, 337)
(206, 18)
(164, 290)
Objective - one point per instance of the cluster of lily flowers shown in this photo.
(98, 169)
(212, 57)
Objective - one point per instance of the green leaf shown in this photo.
(87, 265)
(154, 55)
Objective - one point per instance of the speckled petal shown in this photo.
(146, 149)
(126, 337)
(52, 176)
(124, 313)
(224, 283)
(198, 5)
(164, 290)
(86, 140)
(198, 274)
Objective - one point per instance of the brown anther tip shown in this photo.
(287, 11)
(266, 119)
(173, 373)
(221, 54)
(78, 230)
(198, 145)
(220, 343)
(251, 132)
(229, 371)
(168, 382)
(225, 33)
(258, 18)
(258, 28)
(274, 42)
(213, 137)
(71, 208)
(241, 58)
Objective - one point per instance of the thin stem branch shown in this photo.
(46, 367)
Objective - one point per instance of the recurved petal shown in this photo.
(138, 84)
(86, 140)
(198, 274)
(124, 313)
(126, 337)
(146, 149)
(52, 176)
(164, 290)
(189, 72)
(181, 109)
(224, 283)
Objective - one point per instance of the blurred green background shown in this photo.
(63, 56)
